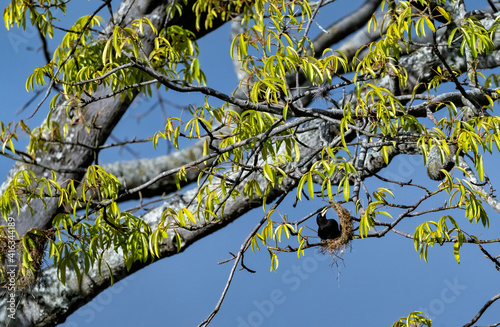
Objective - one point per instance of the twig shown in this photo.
(239, 256)
(409, 183)
(52, 83)
(489, 256)
(227, 260)
(125, 145)
(403, 215)
(315, 12)
(100, 77)
(452, 75)
(33, 98)
(483, 309)
(45, 46)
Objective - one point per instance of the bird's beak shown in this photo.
(323, 212)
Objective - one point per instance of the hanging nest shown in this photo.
(36, 242)
(337, 245)
(36, 246)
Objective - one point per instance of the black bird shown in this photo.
(328, 229)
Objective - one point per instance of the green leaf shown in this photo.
(310, 185)
(180, 218)
(178, 241)
(479, 164)
(456, 251)
(385, 155)
(300, 186)
(268, 173)
(345, 188)
(274, 260)
(297, 151)
(189, 215)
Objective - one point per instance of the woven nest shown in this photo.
(337, 245)
(36, 245)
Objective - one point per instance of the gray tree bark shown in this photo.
(49, 302)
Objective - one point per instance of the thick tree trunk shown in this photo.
(70, 161)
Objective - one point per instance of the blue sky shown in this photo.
(374, 283)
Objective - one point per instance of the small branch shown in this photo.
(119, 143)
(98, 78)
(33, 98)
(290, 249)
(227, 260)
(471, 177)
(239, 257)
(319, 4)
(403, 215)
(452, 75)
(105, 217)
(45, 46)
(52, 83)
(409, 183)
(483, 309)
(359, 164)
(110, 95)
(255, 154)
(245, 267)
(124, 145)
(489, 256)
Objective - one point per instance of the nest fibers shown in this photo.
(35, 243)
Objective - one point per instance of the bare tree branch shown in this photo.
(243, 248)
(482, 310)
